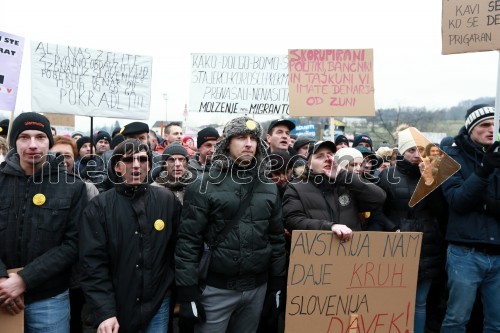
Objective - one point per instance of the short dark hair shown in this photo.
(167, 128)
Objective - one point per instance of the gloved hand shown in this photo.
(491, 161)
(192, 311)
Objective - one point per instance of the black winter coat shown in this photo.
(314, 203)
(127, 242)
(42, 238)
(427, 216)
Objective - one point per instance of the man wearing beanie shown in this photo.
(41, 205)
(174, 174)
(341, 141)
(84, 147)
(207, 138)
(363, 140)
(102, 143)
(237, 210)
(473, 232)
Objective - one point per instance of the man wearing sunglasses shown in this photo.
(127, 242)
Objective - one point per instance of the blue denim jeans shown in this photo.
(423, 287)
(159, 323)
(48, 315)
(469, 270)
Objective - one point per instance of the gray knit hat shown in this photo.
(174, 148)
(239, 126)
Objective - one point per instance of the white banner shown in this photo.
(239, 83)
(88, 82)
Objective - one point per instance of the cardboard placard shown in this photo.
(10, 323)
(374, 276)
(331, 82)
(11, 57)
(470, 26)
(239, 83)
(87, 82)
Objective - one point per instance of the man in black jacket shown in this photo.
(473, 231)
(40, 206)
(127, 242)
(251, 256)
(329, 197)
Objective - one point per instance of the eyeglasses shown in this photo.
(130, 159)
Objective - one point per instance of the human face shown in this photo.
(174, 134)
(322, 161)
(143, 137)
(133, 168)
(206, 151)
(153, 141)
(304, 150)
(175, 166)
(365, 144)
(85, 150)
(412, 155)
(102, 146)
(344, 145)
(279, 138)
(242, 148)
(482, 133)
(76, 137)
(434, 151)
(355, 165)
(32, 147)
(291, 142)
(67, 152)
(189, 144)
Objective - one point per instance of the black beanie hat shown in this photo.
(117, 139)
(102, 135)
(206, 134)
(174, 148)
(4, 127)
(362, 138)
(80, 142)
(341, 138)
(476, 114)
(30, 121)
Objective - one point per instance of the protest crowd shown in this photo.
(133, 232)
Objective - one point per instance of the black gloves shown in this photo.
(491, 160)
(192, 311)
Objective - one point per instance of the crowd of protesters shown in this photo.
(113, 232)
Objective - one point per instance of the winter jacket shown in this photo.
(177, 187)
(127, 241)
(316, 202)
(474, 217)
(38, 224)
(254, 248)
(427, 216)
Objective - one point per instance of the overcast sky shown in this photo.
(409, 69)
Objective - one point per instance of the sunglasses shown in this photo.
(130, 159)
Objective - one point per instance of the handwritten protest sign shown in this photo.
(470, 26)
(87, 82)
(238, 83)
(331, 82)
(11, 57)
(374, 276)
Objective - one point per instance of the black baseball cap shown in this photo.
(320, 144)
(277, 122)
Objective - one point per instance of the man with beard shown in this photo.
(249, 258)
